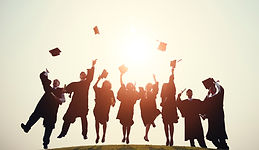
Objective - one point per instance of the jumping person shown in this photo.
(47, 108)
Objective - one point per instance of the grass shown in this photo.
(131, 147)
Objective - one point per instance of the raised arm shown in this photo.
(45, 82)
(121, 80)
(95, 85)
(90, 72)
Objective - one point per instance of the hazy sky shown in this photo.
(215, 38)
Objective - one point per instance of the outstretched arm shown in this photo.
(121, 80)
(90, 74)
(95, 85)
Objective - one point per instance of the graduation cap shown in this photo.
(123, 69)
(162, 46)
(96, 30)
(55, 52)
(208, 83)
(104, 74)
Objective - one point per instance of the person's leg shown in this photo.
(202, 142)
(97, 131)
(223, 144)
(128, 132)
(104, 132)
(147, 130)
(32, 120)
(124, 133)
(166, 133)
(47, 133)
(172, 134)
(84, 126)
(64, 130)
(192, 143)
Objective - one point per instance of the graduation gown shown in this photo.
(215, 114)
(126, 110)
(190, 110)
(148, 108)
(47, 107)
(78, 107)
(103, 101)
(169, 112)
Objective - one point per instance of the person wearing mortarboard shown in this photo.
(190, 109)
(149, 111)
(47, 108)
(127, 95)
(78, 107)
(168, 104)
(214, 112)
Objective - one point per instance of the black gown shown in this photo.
(103, 101)
(148, 107)
(190, 110)
(126, 110)
(215, 114)
(78, 107)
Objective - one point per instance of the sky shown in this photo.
(214, 38)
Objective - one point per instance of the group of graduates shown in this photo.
(191, 109)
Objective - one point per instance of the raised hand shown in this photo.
(94, 62)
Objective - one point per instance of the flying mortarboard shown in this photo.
(208, 83)
(162, 46)
(96, 30)
(104, 74)
(55, 52)
(123, 69)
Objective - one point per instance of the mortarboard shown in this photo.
(162, 46)
(55, 52)
(208, 83)
(96, 30)
(104, 74)
(123, 69)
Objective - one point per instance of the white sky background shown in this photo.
(214, 38)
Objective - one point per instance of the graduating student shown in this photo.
(79, 104)
(104, 99)
(47, 108)
(128, 96)
(169, 112)
(148, 107)
(190, 109)
(214, 112)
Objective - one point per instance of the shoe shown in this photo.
(167, 142)
(45, 146)
(153, 124)
(97, 140)
(171, 143)
(103, 139)
(146, 139)
(25, 129)
(61, 136)
(123, 140)
(85, 137)
(127, 141)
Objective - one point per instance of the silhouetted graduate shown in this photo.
(104, 99)
(128, 96)
(190, 109)
(214, 112)
(148, 107)
(169, 112)
(79, 104)
(47, 108)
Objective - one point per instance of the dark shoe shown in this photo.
(167, 142)
(61, 136)
(127, 141)
(103, 139)
(85, 137)
(97, 140)
(146, 139)
(153, 124)
(123, 140)
(24, 127)
(171, 143)
(45, 146)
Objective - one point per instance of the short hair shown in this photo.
(189, 90)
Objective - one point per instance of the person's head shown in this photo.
(189, 93)
(130, 86)
(107, 85)
(56, 83)
(82, 75)
(213, 89)
(149, 87)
